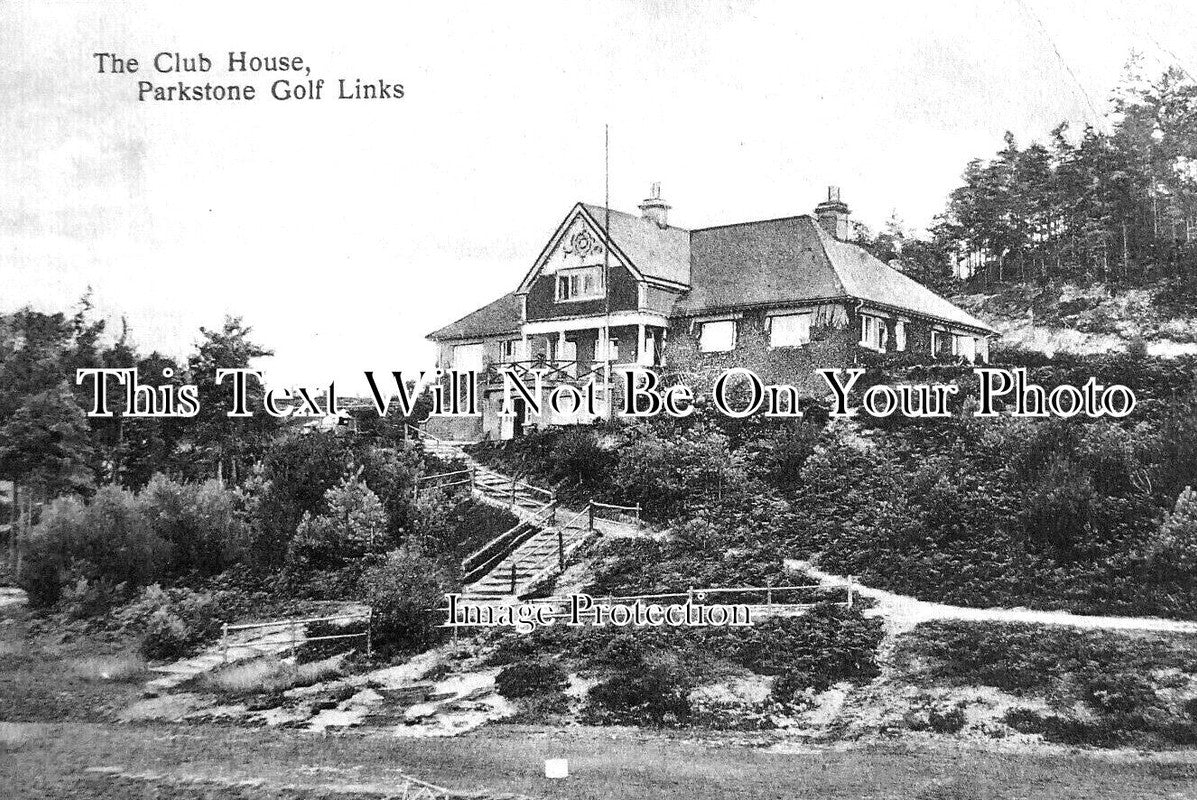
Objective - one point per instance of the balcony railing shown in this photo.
(551, 371)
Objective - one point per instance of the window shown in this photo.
(964, 347)
(900, 335)
(718, 337)
(873, 333)
(789, 330)
(585, 283)
(509, 350)
(467, 357)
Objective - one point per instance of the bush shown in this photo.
(1117, 693)
(200, 522)
(171, 621)
(1174, 549)
(530, 679)
(1025, 720)
(108, 540)
(949, 721)
(404, 589)
(652, 695)
(828, 644)
(931, 715)
(1020, 657)
(166, 636)
(353, 524)
(793, 688)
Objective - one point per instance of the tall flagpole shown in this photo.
(607, 268)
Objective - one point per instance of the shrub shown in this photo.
(171, 621)
(200, 522)
(404, 589)
(827, 644)
(934, 716)
(1117, 693)
(166, 636)
(793, 687)
(1025, 720)
(579, 456)
(108, 540)
(946, 721)
(530, 679)
(353, 523)
(1174, 548)
(653, 695)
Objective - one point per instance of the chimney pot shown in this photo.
(654, 208)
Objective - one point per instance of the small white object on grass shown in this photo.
(556, 768)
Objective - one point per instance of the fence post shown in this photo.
(224, 643)
(370, 633)
(294, 634)
(513, 576)
(639, 521)
(769, 595)
(512, 492)
(690, 596)
(590, 514)
(849, 591)
(473, 478)
(561, 550)
(553, 513)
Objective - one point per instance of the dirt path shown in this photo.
(903, 612)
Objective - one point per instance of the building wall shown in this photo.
(829, 347)
(542, 297)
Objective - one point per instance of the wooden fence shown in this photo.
(294, 628)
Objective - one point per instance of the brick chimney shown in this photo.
(833, 214)
(656, 209)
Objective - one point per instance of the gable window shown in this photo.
(789, 330)
(582, 283)
(873, 333)
(718, 337)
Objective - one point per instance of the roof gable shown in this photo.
(591, 235)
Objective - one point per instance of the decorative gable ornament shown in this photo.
(582, 244)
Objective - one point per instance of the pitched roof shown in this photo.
(774, 262)
(793, 260)
(493, 319)
(661, 253)
(866, 277)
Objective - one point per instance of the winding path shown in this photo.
(904, 612)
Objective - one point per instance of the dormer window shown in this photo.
(581, 283)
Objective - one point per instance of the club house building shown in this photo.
(612, 290)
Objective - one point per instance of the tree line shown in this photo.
(1115, 203)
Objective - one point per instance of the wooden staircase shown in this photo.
(515, 561)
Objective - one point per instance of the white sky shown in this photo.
(344, 232)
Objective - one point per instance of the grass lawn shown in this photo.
(49, 761)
